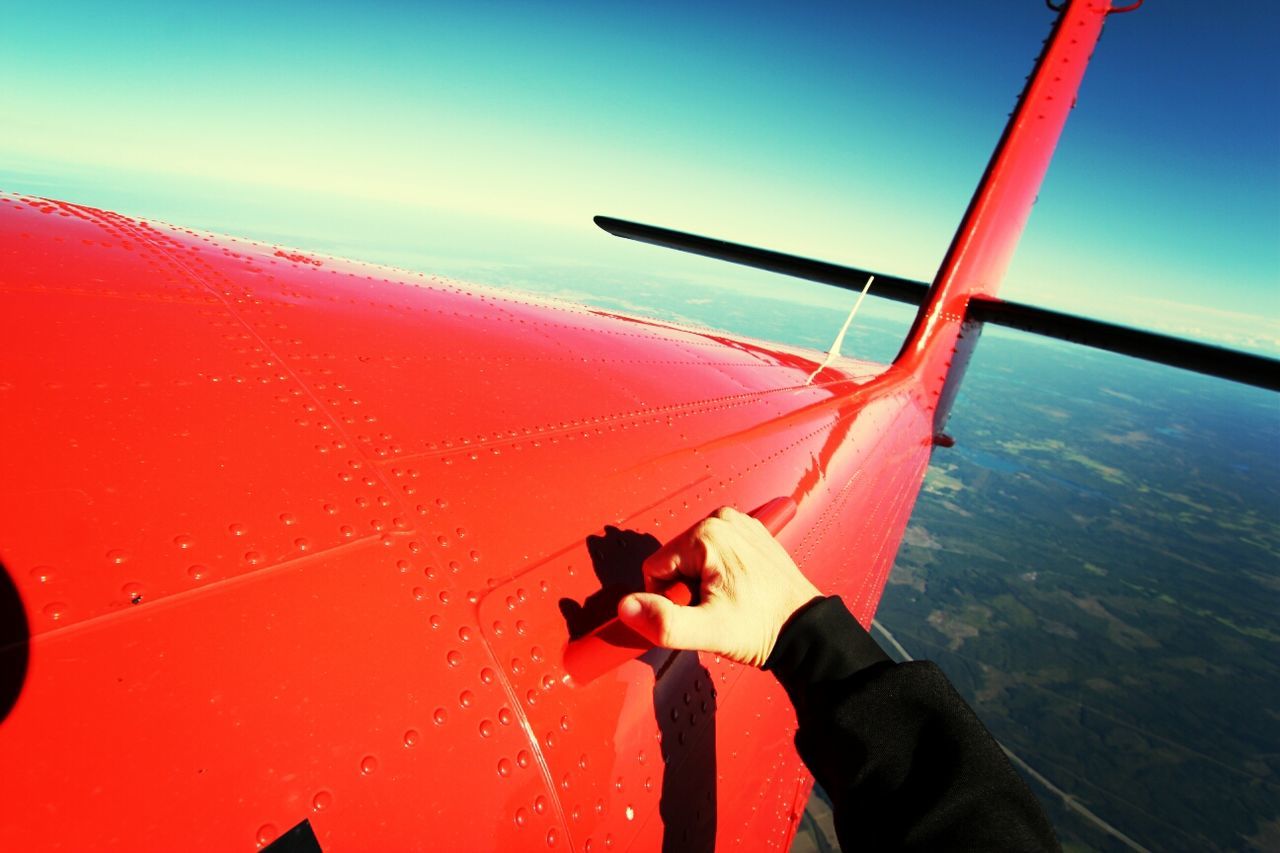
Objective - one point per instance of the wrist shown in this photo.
(821, 642)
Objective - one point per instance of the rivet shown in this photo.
(411, 739)
(440, 716)
(504, 767)
(465, 698)
(266, 834)
(183, 541)
(486, 728)
(117, 556)
(368, 764)
(453, 658)
(321, 801)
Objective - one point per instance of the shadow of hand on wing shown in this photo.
(617, 558)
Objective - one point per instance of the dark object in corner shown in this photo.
(300, 839)
(15, 648)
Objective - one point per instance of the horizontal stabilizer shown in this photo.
(1222, 362)
(887, 286)
(1249, 368)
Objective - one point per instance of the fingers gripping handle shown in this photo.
(774, 515)
(613, 643)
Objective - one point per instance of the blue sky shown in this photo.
(849, 132)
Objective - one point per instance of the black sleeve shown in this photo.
(907, 764)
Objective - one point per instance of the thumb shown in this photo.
(667, 624)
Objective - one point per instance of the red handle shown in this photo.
(613, 643)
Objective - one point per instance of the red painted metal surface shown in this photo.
(298, 538)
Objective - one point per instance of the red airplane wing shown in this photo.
(295, 545)
(300, 539)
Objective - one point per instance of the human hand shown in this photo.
(750, 588)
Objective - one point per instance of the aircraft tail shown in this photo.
(962, 296)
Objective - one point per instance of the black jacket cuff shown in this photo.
(821, 642)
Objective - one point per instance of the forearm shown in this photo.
(905, 761)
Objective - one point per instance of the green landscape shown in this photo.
(1095, 564)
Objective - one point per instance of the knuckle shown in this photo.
(707, 529)
(699, 551)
